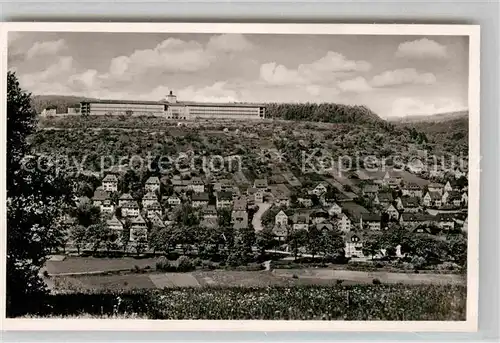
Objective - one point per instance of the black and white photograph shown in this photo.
(245, 173)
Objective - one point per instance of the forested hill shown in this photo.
(325, 112)
(59, 102)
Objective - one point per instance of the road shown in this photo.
(257, 218)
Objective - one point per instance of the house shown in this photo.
(152, 184)
(408, 204)
(412, 190)
(281, 218)
(392, 212)
(335, 210)
(319, 189)
(448, 187)
(392, 179)
(130, 209)
(209, 212)
(305, 201)
(100, 195)
(124, 198)
(325, 226)
(435, 187)
(259, 196)
(412, 220)
(156, 221)
(240, 204)
(107, 207)
(149, 198)
(432, 199)
(458, 173)
(199, 199)
(260, 184)
(239, 219)
(465, 198)
(370, 191)
(383, 199)
(197, 185)
(181, 186)
(282, 200)
(154, 208)
(300, 221)
(344, 223)
(110, 183)
(223, 185)
(116, 227)
(445, 221)
(224, 200)
(370, 221)
(453, 198)
(353, 245)
(319, 216)
(326, 199)
(173, 200)
(415, 166)
(280, 231)
(138, 229)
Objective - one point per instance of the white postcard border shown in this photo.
(470, 325)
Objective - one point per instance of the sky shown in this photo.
(393, 75)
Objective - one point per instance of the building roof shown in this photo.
(370, 188)
(100, 195)
(260, 183)
(435, 185)
(153, 180)
(434, 195)
(385, 196)
(412, 186)
(130, 204)
(126, 196)
(240, 204)
(348, 236)
(280, 213)
(370, 217)
(200, 196)
(110, 178)
(224, 196)
(410, 202)
(209, 209)
(114, 221)
(149, 196)
(417, 217)
(138, 220)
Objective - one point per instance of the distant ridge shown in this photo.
(439, 117)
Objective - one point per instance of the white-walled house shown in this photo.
(353, 245)
(335, 209)
(110, 183)
(281, 218)
(152, 184)
(392, 212)
(149, 198)
(344, 223)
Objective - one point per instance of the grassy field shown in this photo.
(338, 302)
(94, 264)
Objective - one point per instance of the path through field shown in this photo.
(257, 218)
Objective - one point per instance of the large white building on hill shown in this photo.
(170, 108)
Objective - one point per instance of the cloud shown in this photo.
(418, 106)
(277, 74)
(85, 80)
(422, 48)
(46, 48)
(358, 84)
(402, 76)
(171, 55)
(61, 69)
(325, 70)
(218, 92)
(229, 43)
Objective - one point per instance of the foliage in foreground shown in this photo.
(359, 302)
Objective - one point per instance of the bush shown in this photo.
(46, 274)
(339, 282)
(295, 276)
(376, 281)
(184, 264)
(163, 264)
(208, 265)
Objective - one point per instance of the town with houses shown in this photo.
(380, 200)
